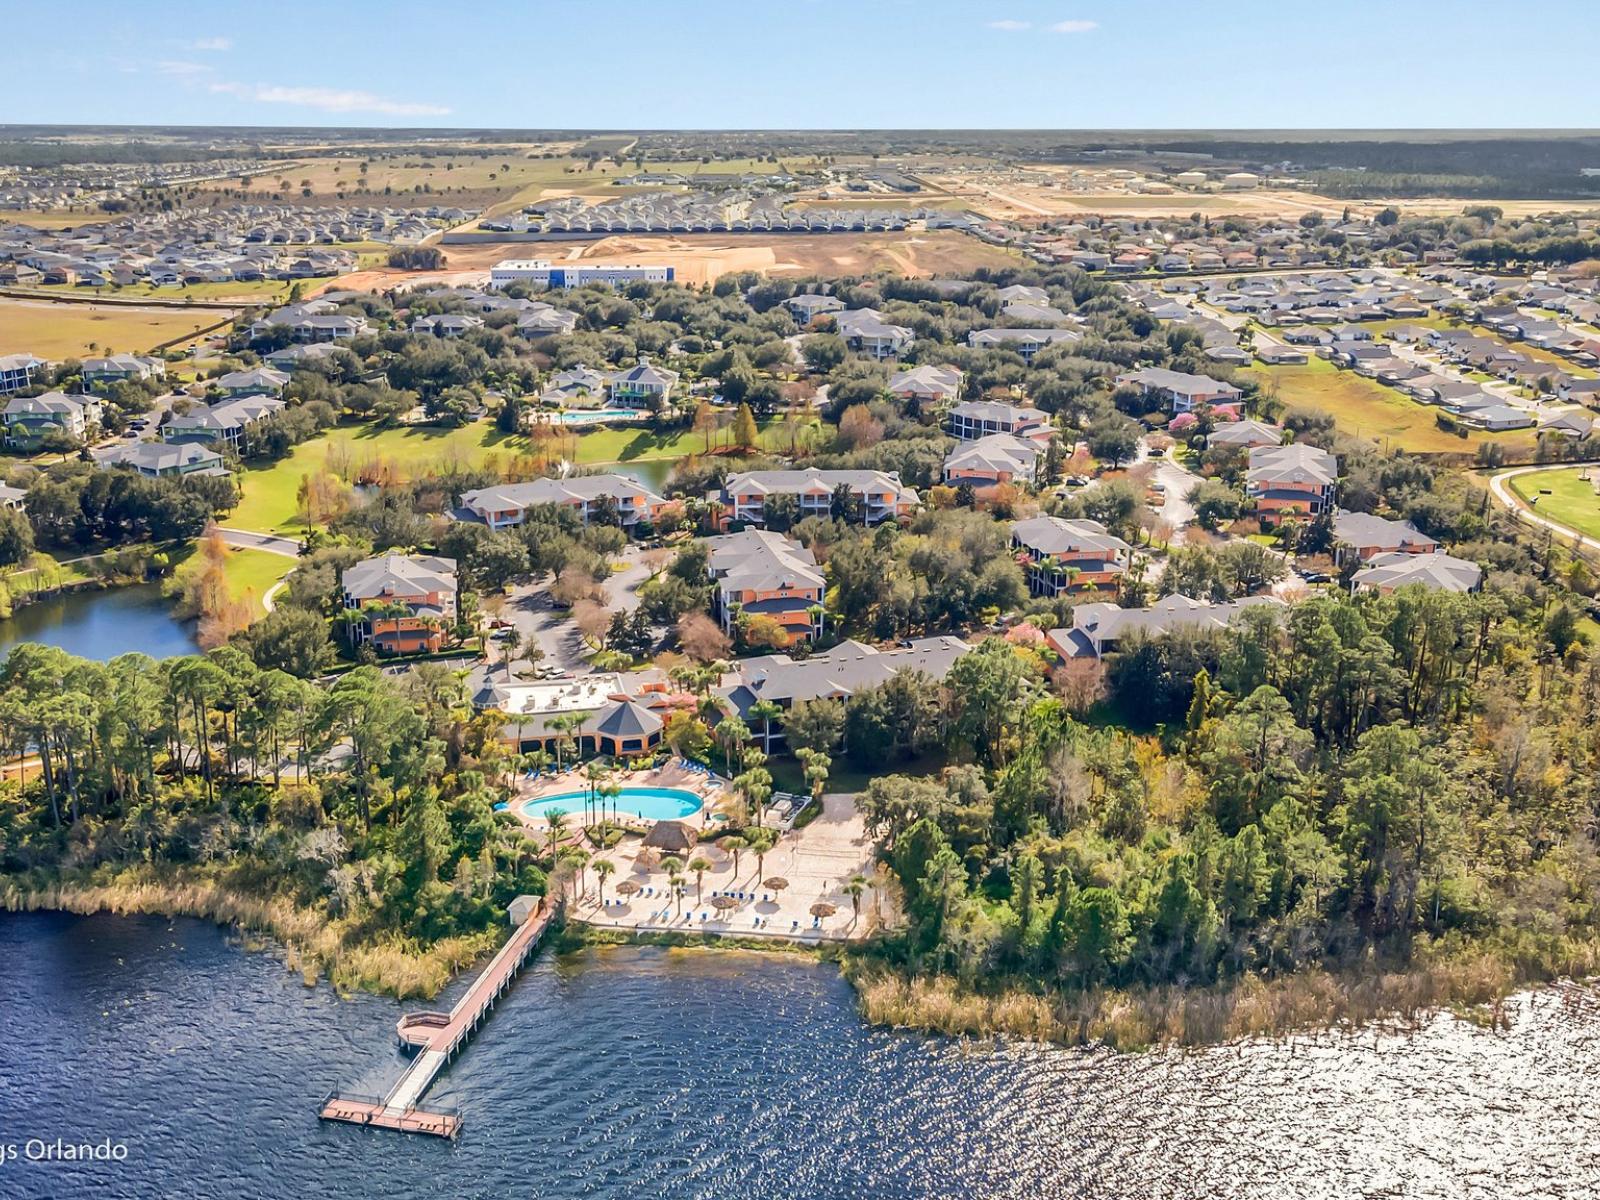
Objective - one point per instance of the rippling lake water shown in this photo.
(647, 1073)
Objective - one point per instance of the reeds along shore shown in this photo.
(1135, 1019)
(313, 944)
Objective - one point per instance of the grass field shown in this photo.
(255, 292)
(1368, 409)
(59, 331)
(269, 494)
(1572, 500)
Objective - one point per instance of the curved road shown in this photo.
(1500, 489)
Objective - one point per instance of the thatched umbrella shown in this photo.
(823, 909)
(627, 888)
(723, 903)
(777, 883)
(647, 859)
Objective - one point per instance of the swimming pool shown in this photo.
(648, 803)
(590, 416)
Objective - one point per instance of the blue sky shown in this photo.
(1071, 64)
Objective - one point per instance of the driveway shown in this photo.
(1177, 479)
(244, 539)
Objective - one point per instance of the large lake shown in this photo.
(102, 624)
(646, 1073)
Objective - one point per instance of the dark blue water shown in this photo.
(644, 1073)
(103, 624)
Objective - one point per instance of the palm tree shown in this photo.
(765, 711)
(732, 733)
(594, 773)
(576, 860)
(699, 865)
(537, 761)
(857, 885)
(610, 790)
(557, 820)
(761, 840)
(604, 867)
(673, 866)
(733, 845)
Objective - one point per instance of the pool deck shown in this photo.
(818, 861)
(673, 775)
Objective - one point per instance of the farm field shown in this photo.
(269, 494)
(1368, 409)
(1572, 500)
(64, 330)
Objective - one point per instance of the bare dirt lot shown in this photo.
(702, 258)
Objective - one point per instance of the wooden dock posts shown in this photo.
(437, 1037)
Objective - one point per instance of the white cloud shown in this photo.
(336, 100)
(217, 44)
(1074, 27)
(1011, 26)
(183, 70)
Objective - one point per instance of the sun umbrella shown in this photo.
(777, 883)
(723, 903)
(823, 909)
(627, 888)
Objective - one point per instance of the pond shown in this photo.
(103, 624)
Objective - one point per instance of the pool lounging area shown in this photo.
(646, 803)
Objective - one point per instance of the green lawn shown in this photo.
(269, 493)
(1366, 408)
(1572, 500)
(253, 573)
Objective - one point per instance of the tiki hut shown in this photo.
(671, 837)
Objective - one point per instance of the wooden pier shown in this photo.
(437, 1037)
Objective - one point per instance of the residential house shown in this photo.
(446, 325)
(1441, 572)
(1024, 342)
(118, 368)
(17, 372)
(546, 321)
(157, 459)
(928, 387)
(1297, 478)
(972, 419)
(865, 330)
(1100, 628)
(1061, 555)
(576, 387)
(257, 381)
(1247, 435)
(1180, 390)
(876, 495)
(643, 385)
(334, 327)
(590, 496)
(995, 459)
(28, 420)
(408, 602)
(1360, 537)
(229, 423)
(808, 306)
(13, 499)
(759, 573)
(835, 674)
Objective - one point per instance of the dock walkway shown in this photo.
(437, 1037)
